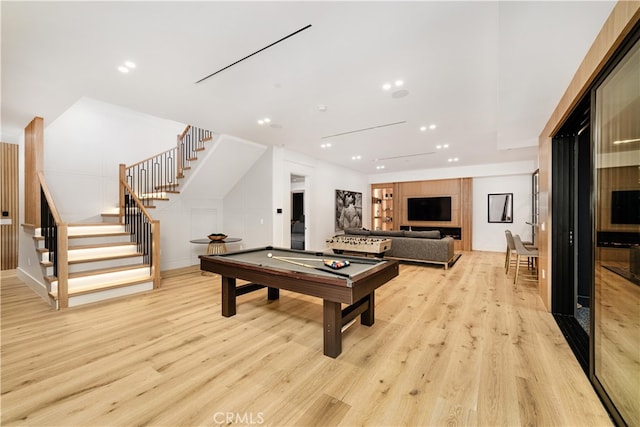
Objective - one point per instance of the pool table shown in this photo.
(305, 272)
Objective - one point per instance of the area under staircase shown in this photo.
(84, 263)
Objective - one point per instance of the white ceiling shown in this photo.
(488, 74)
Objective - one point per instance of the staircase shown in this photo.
(84, 263)
(102, 263)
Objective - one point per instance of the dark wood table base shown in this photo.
(334, 317)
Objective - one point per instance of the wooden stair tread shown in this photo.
(101, 245)
(89, 235)
(114, 234)
(99, 271)
(102, 287)
(106, 258)
(91, 224)
(199, 149)
(99, 259)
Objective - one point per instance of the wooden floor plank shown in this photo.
(457, 346)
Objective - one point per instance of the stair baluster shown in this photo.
(56, 241)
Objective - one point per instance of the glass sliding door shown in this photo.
(616, 295)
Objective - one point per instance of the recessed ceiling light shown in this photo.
(454, 159)
(267, 120)
(386, 86)
(123, 69)
(438, 146)
(423, 128)
(358, 157)
(399, 83)
(380, 167)
(129, 64)
(327, 145)
(446, 145)
(260, 122)
(432, 127)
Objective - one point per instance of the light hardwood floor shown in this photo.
(449, 347)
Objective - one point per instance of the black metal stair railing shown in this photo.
(150, 179)
(191, 142)
(49, 231)
(138, 226)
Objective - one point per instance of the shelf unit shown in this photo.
(382, 209)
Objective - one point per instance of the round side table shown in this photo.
(216, 247)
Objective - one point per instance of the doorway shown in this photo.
(298, 224)
(571, 231)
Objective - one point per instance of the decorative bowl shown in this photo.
(217, 236)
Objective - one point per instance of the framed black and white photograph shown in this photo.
(348, 209)
(501, 207)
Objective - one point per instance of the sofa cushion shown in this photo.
(435, 234)
(388, 233)
(357, 231)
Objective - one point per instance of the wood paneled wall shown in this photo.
(623, 18)
(9, 204)
(460, 190)
(33, 163)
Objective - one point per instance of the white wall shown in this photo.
(84, 146)
(321, 181)
(490, 236)
(248, 206)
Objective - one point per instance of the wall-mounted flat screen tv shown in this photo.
(625, 207)
(429, 208)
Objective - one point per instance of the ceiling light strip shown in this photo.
(362, 130)
(254, 53)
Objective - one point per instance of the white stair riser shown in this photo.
(76, 230)
(97, 240)
(97, 279)
(110, 219)
(99, 264)
(93, 253)
(159, 195)
(110, 293)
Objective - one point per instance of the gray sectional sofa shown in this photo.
(420, 246)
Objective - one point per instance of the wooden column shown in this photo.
(33, 163)
(466, 191)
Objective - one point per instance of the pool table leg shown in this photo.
(332, 319)
(368, 317)
(273, 293)
(228, 296)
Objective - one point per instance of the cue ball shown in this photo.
(269, 255)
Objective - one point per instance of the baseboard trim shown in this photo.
(39, 288)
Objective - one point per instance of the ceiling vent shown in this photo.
(407, 155)
(254, 53)
(364, 129)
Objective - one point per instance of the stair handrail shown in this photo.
(56, 240)
(152, 177)
(144, 230)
